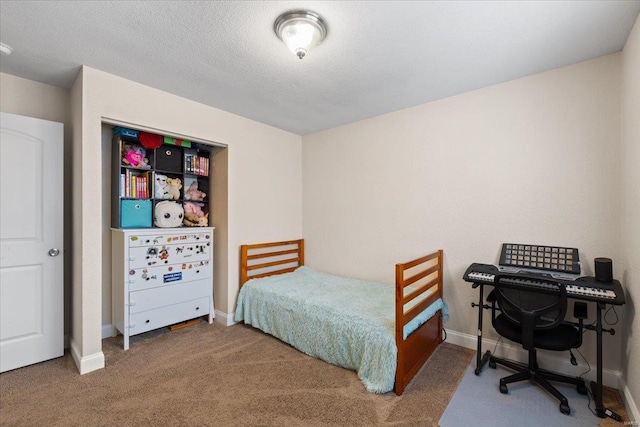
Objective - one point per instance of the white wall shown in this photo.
(264, 184)
(534, 160)
(33, 99)
(631, 212)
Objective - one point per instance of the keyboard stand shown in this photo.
(596, 387)
(485, 358)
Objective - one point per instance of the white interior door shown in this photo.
(31, 241)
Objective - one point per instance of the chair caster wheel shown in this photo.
(582, 389)
(503, 389)
(492, 364)
(564, 408)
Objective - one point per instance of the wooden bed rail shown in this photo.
(274, 253)
(417, 347)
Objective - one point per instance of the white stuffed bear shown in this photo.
(168, 214)
(161, 187)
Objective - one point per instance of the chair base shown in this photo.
(540, 377)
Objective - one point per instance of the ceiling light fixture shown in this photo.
(300, 30)
(5, 49)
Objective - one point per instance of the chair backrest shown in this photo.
(531, 309)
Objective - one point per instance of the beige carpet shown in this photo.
(211, 375)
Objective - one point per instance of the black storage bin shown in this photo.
(168, 159)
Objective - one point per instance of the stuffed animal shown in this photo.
(194, 208)
(194, 216)
(192, 193)
(175, 184)
(193, 220)
(168, 214)
(161, 187)
(134, 155)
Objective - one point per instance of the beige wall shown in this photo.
(264, 184)
(631, 211)
(33, 99)
(534, 160)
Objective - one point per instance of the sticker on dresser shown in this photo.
(151, 277)
(150, 256)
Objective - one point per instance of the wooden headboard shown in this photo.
(266, 259)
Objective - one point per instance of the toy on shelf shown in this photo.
(192, 193)
(194, 221)
(175, 184)
(134, 155)
(194, 216)
(168, 214)
(161, 187)
(150, 140)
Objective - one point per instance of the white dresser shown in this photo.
(160, 276)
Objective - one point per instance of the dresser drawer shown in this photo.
(160, 237)
(150, 299)
(167, 275)
(169, 254)
(153, 319)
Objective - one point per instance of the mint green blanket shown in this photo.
(343, 321)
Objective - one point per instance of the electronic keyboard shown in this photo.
(583, 288)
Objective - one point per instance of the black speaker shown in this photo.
(604, 269)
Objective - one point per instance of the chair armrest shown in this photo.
(491, 297)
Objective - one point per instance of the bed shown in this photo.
(347, 322)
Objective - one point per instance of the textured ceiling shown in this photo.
(378, 56)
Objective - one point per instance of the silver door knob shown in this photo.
(54, 252)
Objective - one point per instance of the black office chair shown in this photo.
(535, 319)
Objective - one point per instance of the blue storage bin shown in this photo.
(135, 213)
(131, 133)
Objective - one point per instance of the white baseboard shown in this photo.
(225, 319)
(629, 402)
(549, 360)
(86, 364)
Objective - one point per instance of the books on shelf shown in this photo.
(134, 186)
(196, 165)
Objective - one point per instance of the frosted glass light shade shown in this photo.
(300, 30)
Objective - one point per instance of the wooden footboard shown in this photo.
(424, 275)
(267, 259)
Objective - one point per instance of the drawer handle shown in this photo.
(197, 308)
(146, 321)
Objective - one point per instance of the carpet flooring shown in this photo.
(211, 375)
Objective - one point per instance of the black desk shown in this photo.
(486, 277)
